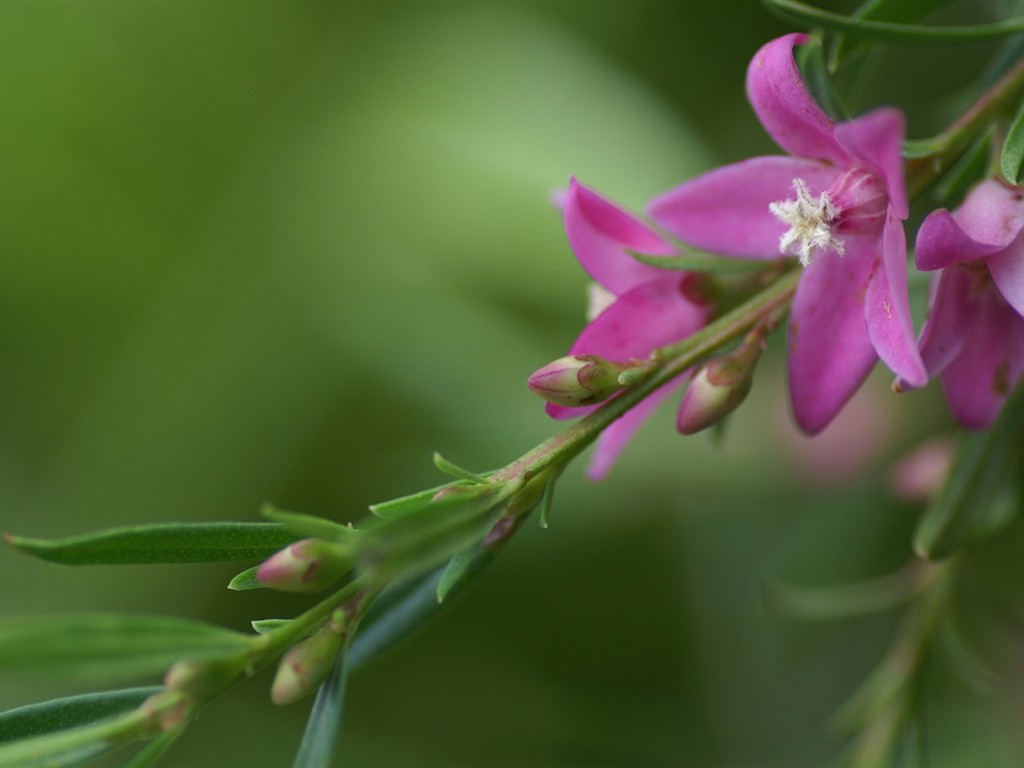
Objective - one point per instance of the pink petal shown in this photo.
(615, 438)
(950, 315)
(942, 242)
(726, 210)
(830, 353)
(785, 107)
(601, 232)
(990, 364)
(648, 316)
(992, 213)
(1007, 270)
(876, 141)
(888, 308)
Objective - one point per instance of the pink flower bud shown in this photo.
(306, 566)
(306, 665)
(919, 476)
(719, 386)
(577, 380)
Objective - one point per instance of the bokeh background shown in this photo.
(284, 251)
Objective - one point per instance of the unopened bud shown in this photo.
(306, 566)
(719, 386)
(577, 380)
(306, 665)
(200, 679)
(165, 710)
(919, 476)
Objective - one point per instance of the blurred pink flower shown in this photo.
(837, 202)
(974, 336)
(649, 307)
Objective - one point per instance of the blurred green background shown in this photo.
(283, 251)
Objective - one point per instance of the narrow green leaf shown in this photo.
(246, 580)
(109, 646)
(458, 472)
(165, 543)
(549, 495)
(70, 712)
(809, 16)
(263, 626)
(455, 570)
(983, 489)
(811, 61)
(899, 11)
(694, 261)
(153, 750)
(950, 189)
(407, 504)
(845, 600)
(1012, 157)
(310, 525)
(320, 738)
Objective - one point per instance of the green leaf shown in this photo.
(153, 750)
(809, 16)
(549, 495)
(246, 580)
(845, 600)
(263, 626)
(165, 543)
(455, 570)
(950, 189)
(90, 646)
(320, 738)
(71, 712)
(1012, 158)
(882, 10)
(694, 261)
(310, 525)
(458, 472)
(409, 504)
(983, 488)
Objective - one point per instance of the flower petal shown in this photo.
(1007, 270)
(942, 242)
(887, 307)
(950, 316)
(726, 210)
(876, 141)
(651, 315)
(992, 213)
(615, 438)
(601, 232)
(784, 106)
(830, 353)
(990, 364)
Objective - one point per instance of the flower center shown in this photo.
(856, 203)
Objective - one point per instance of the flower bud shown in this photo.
(577, 380)
(201, 679)
(306, 566)
(919, 476)
(306, 665)
(720, 385)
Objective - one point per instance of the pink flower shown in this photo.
(648, 307)
(974, 335)
(837, 202)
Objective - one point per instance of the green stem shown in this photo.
(942, 150)
(677, 358)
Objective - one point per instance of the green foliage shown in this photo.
(70, 712)
(320, 738)
(164, 543)
(1011, 161)
(310, 525)
(98, 646)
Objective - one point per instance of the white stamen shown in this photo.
(810, 223)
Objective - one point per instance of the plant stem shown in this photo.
(675, 359)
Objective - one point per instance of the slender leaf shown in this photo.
(246, 580)
(70, 712)
(693, 261)
(320, 738)
(411, 503)
(263, 626)
(845, 600)
(1012, 157)
(983, 488)
(165, 543)
(406, 607)
(806, 15)
(549, 495)
(899, 11)
(153, 750)
(458, 472)
(455, 570)
(108, 645)
(965, 172)
(310, 525)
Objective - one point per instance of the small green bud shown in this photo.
(720, 385)
(306, 566)
(201, 679)
(307, 664)
(577, 380)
